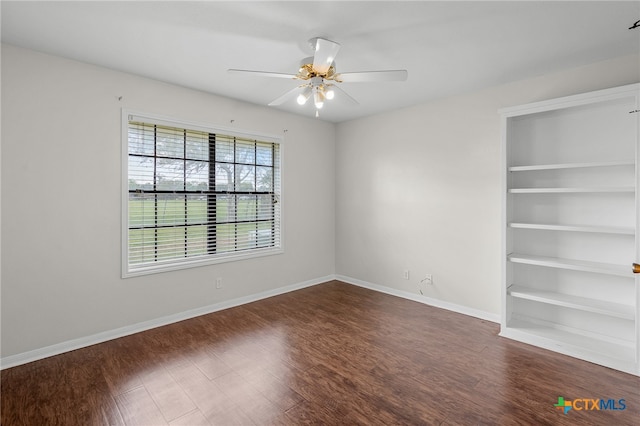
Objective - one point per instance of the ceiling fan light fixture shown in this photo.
(304, 96)
(321, 79)
(318, 98)
(329, 94)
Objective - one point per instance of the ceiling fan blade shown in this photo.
(263, 73)
(326, 52)
(289, 95)
(343, 94)
(371, 76)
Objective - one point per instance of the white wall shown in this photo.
(415, 189)
(419, 188)
(61, 171)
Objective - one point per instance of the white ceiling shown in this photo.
(448, 47)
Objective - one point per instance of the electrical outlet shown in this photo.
(405, 274)
(428, 279)
(218, 283)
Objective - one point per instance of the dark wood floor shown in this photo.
(329, 354)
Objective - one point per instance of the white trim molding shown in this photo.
(81, 342)
(460, 309)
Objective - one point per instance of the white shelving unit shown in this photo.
(573, 228)
(571, 264)
(569, 190)
(571, 223)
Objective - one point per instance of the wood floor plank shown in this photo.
(138, 408)
(194, 418)
(210, 364)
(254, 404)
(172, 401)
(121, 365)
(274, 389)
(310, 413)
(67, 389)
(327, 354)
(216, 407)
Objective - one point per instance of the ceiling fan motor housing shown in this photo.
(306, 70)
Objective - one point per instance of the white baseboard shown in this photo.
(70, 345)
(488, 316)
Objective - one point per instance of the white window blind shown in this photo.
(198, 196)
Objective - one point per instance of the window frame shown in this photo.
(129, 270)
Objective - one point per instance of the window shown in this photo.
(196, 196)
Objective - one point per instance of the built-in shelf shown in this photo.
(629, 189)
(575, 228)
(570, 192)
(569, 166)
(574, 265)
(619, 354)
(617, 310)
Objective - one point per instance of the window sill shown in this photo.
(173, 265)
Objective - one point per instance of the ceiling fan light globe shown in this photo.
(329, 94)
(318, 98)
(301, 99)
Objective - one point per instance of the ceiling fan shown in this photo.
(321, 78)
